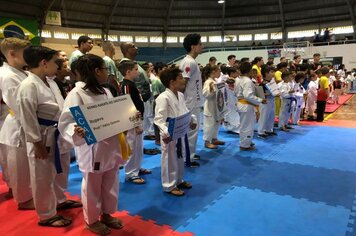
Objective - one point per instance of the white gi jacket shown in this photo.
(97, 157)
(312, 93)
(11, 131)
(36, 100)
(210, 104)
(245, 89)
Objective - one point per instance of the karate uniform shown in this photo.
(12, 137)
(286, 104)
(172, 167)
(246, 106)
(232, 118)
(193, 96)
(37, 100)
(98, 162)
(300, 103)
(267, 115)
(312, 96)
(211, 123)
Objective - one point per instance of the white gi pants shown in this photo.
(133, 165)
(285, 112)
(193, 133)
(172, 167)
(100, 192)
(311, 106)
(148, 118)
(211, 128)
(43, 173)
(266, 120)
(61, 180)
(247, 122)
(297, 111)
(3, 163)
(19, 173)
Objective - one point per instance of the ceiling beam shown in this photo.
(350, 5)
(106, 27)
(284, 30)
(166, 23)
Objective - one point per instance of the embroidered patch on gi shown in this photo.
(187, 69)
(97, 166)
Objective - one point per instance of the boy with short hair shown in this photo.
(171, 104)
(11, 134)
(323, 94)
(85, 44)
(129, 69)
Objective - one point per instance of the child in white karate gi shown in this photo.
(312, 95)
(98, 162)
(286, 101)
(211, 120)
(232, 118)
(171, 104)
(299, 92)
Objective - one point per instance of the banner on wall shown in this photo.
(23, 29)
(274, 53)
(53, 18)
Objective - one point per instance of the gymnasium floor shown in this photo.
(297, 183)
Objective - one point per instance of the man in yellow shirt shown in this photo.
(323, 93)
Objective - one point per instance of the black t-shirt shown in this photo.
(129, 87)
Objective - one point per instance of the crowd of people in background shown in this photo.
(40, 84)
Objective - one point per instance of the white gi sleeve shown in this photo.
(249, 93)
(161, 115)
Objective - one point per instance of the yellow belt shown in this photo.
(11, 112)
(126, 151)
(244, 101)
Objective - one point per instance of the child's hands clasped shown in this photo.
(79, 131)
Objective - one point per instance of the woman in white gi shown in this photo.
(299, 92)
(246, 106)
(11, 134)
(98, 162)
(266, 119)
(38, 98)
(211, 121)
(171, 104)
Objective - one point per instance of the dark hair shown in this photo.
(168, 75)
(60, 63)
(83, 39)
(224, 69)
(73, 66)
(244, 59)
(159, 66)
(86, 66)
(324, 70)
(126, 65)
(2, 59)
(257, 59)
(145, 66)
(33, 55)
(266, 69)
(212, 59)
(190, 40)
(245, 68)
(285, 74)
(282, 65)
(231, 70)
(299, 76)
(207, 70)
(296, 56)
(316, 55)
(230, 57)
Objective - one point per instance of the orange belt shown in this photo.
(126, 151)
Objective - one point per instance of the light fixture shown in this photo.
(221, 1)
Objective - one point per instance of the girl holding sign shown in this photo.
(211, 120)
(98, 162)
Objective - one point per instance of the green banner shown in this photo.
(20, 28)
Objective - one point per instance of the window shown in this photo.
(75, 36)
(126, 38)
(181, 39)
(302, 33)
(112, 37)
(156, 39)
(215, 39)
(261, 36)
(94, 36)
(61, 35)
(46, 34)
(204, 39)
(141, 39)
(230, 38)
(171, 39)
(245, 37)
(341, 30)
(277, 35)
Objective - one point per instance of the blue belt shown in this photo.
(57, 160)
(291, 100)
